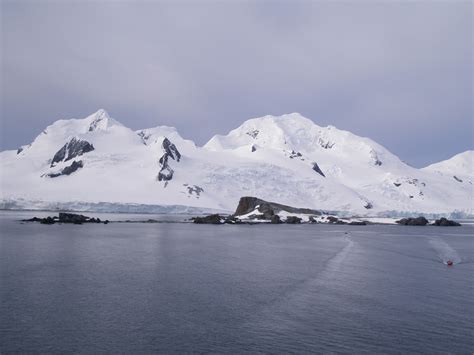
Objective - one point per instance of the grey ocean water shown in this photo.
(173, 287)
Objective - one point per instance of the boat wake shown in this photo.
(445, 253)
(336, 260)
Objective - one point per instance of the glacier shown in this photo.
(288, 159)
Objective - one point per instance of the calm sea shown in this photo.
(177, 287)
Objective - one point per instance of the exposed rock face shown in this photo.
(74, 148)
(275, 219)
(418, 221)
(368, 205)
(194, 189)
(294, 154)
(249, 204)
(72, 168)
(457, 179)
(254, 148)
(48, 220)
(144, 136)
(375, 158)
(72, 218)
(293, 220)
(170, 151)
(253, 133)
(68, 170)
(325, 144)
(166, 173)
(318, 169)
(444, 222)
(211, 219)
(335, 220)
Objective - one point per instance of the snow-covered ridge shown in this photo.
(287, 159)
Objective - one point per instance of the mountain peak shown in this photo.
(271, 131)
(101, 114)
(101, 120)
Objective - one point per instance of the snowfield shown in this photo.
(286, 159)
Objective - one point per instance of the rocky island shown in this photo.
(252, 210)
(70, 218)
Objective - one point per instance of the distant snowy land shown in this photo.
(98, 164)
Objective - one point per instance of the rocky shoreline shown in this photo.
(252, 210)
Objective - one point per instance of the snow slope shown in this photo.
(460, 166)
(287, 159)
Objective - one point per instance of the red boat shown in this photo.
(449, 263)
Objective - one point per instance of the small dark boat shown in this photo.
(449, 263)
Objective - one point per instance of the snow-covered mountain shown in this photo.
(287, 159)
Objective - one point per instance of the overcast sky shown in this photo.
(400, 73)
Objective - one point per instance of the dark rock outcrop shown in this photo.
(48, 220)
(74, 148)
(318, 169)
(34, 219)
(368, 205)
(325, 144)
(194, 189)
(72, 218)
(249, 204)
(72, 168)
(253, 133)
(166, 173)
(357, 223)
(275, 219)
(68, 170)
(418, 221)
(335, 220)
(294, 154)
(457, 179)
(375, 158)
(293, 220)
(170, 151)
(144, 136)
(444, 222)
(211, 219)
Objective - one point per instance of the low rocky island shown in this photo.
(444, 222)
(71, 218)
(422, 221)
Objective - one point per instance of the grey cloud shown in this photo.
(398, 72)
